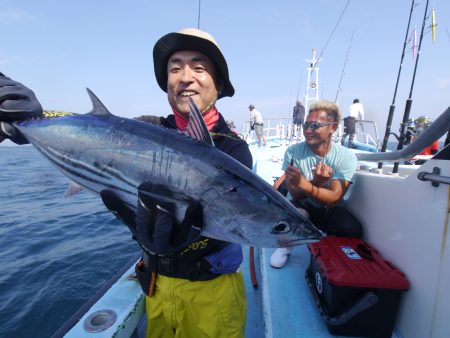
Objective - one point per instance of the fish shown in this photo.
(99, 150)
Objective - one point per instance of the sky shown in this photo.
(59, 47)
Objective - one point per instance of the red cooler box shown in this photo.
(357, 291)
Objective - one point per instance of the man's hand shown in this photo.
(300, 188)
(153, 227)
(294, 180)
(159, 232)
(122, 211)
(17, 103)
(322, 174)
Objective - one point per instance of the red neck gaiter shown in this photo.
(211, 117)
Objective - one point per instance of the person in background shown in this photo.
(192, 283)
(298, 115)
(356, 113)
(422, 123)
(318, 174)
(256, 123)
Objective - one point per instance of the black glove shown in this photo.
(8, 131)
(153, 226)
(119, 209)
(17, 103)
(157, 229)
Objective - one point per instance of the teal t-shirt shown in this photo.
(339, 158)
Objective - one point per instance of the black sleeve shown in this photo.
(237, 149)
(242, 154)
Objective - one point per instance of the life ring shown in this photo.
(313, 85)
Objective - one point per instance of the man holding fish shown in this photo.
(193, 284)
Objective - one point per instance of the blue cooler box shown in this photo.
(356, 290)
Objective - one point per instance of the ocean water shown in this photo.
(55, 252)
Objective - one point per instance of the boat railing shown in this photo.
(434, 177)
(280, 128)
(366, 133)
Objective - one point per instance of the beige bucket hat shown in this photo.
(190, 39)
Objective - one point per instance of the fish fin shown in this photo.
(196, 127)
(176, 203)
(98, 108)
(72, 189)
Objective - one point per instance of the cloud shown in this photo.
(13, 14)
(442, 83)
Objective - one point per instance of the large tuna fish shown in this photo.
(100, 151)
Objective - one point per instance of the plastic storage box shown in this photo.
(356, 290)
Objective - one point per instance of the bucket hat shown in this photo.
(190, 39)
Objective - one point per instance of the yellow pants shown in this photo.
(181, 308)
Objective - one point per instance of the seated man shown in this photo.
(318, 174)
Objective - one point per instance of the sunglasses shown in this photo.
(316, 125)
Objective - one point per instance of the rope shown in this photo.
(331, 35)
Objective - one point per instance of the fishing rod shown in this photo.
(392, 107)
(343, 68)
(409, 101)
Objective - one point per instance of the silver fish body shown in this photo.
(101, 151)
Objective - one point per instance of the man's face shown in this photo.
(319, 136)
(192, 74)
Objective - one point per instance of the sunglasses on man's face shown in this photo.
(316, 125)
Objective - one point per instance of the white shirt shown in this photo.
(255, 116)
(356, 110)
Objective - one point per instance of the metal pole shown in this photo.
(409, 101)
(392, 107)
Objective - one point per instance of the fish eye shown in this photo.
(281, 227)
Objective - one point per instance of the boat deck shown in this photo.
(297, 314)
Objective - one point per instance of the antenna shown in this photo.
(198, 16)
